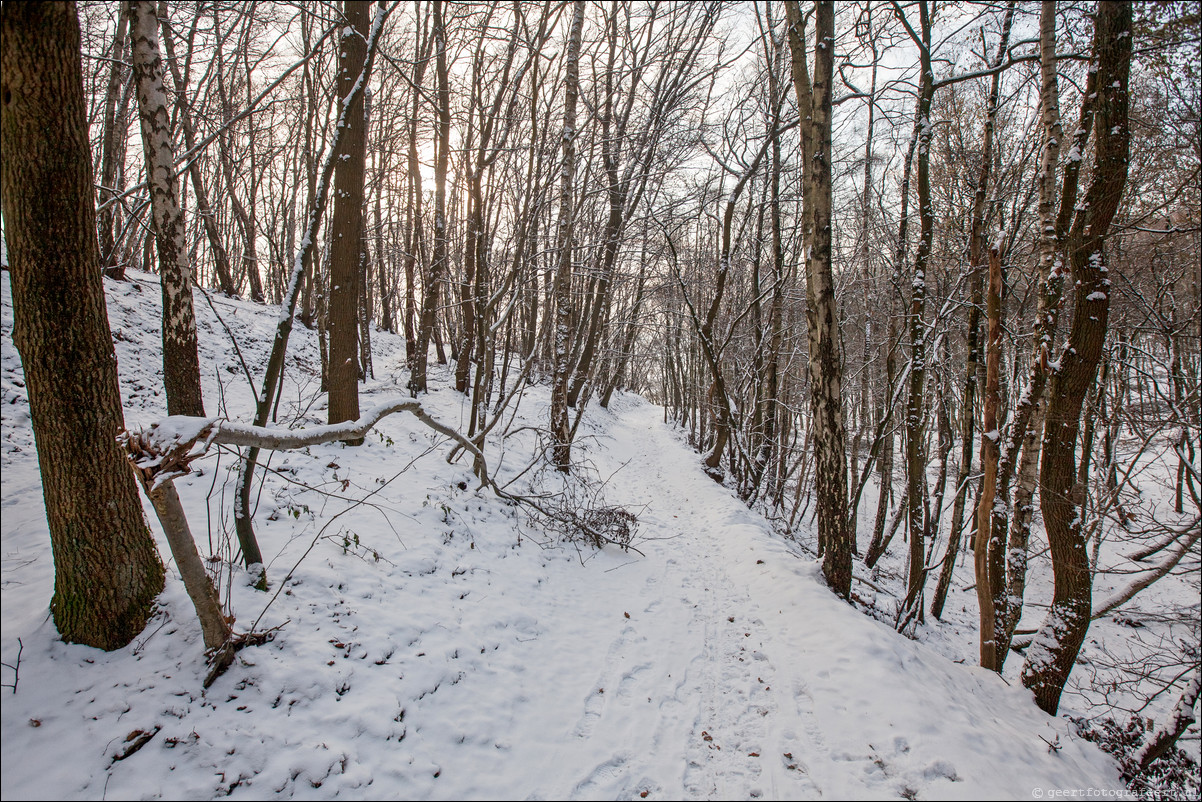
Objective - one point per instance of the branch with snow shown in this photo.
(1179, 721)
(1121, 597)
(166, 448)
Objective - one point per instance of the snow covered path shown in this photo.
(737, 657)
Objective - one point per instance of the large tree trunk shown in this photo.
(346, 222)
(106, 570)
(1054, 650)
(181, 363)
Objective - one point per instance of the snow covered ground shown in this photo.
(436, 643)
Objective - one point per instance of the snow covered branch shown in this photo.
(166, 448)
(1121, 597)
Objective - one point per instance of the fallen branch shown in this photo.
(164, 452)
(1121, 597)
(171, 444)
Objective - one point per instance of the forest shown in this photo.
(906, 294)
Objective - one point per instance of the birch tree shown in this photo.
(561, 436)
(181, 362)
(814, 103)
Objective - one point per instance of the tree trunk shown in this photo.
(109, 156)
(303, 264)
(414, 225)
(106, 570)
(915, 456)
(438, 267)
(560, 435)
(221, 261)
(346, 222)
(976, 259)
(826, 401)
(214, 627)
(1054, 650)
(1019, 464)
(1179, 721)
(987, 580)
(181, 364)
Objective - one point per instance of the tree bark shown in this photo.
(109, 156)
(561, 436)
(346, 222)
(826, 400)
(181, 363)
(987, 580)
(1054, 650)
(204, 209)
(106, 569)
(915, 456)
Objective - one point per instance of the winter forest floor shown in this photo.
(436, 643)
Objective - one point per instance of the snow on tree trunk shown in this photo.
(1055, 647)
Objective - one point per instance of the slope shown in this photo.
(437, 643)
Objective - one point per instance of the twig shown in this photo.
(16, 668)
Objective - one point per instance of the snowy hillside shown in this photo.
(434, 642)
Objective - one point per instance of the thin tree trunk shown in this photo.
(110, 155)
(560, 434)
(204, 209)
(986, 581)
(303, 264)
(181, 363)
(915, 456)
(438, 267)
(976, 264)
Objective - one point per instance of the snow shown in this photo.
(436, 643)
